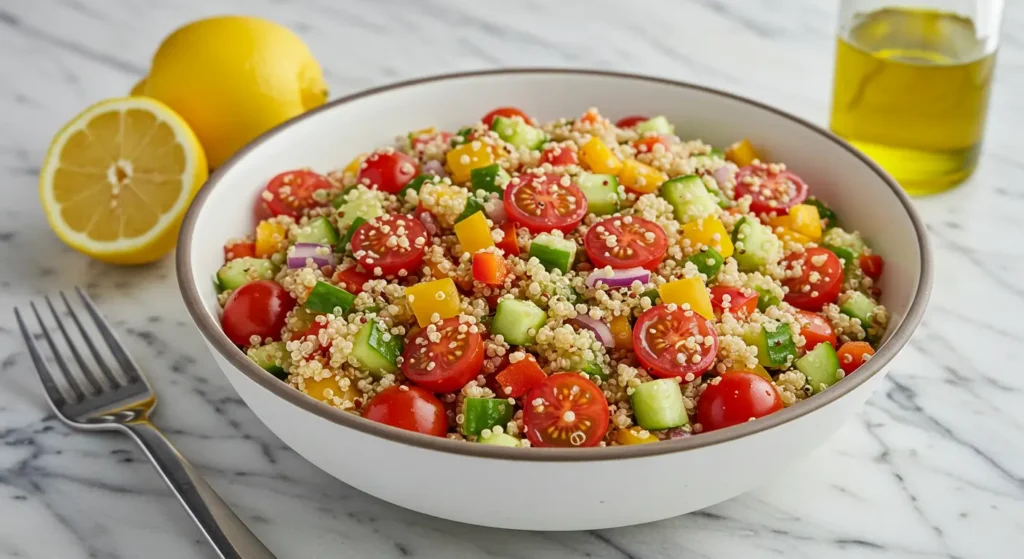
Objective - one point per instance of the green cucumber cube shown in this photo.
(318, 230)
(689, 198)
(240, 271)
(359, 204)
(857, 305)
(775, 348)
(500, 439)
(658, 404)
(376, 349)
(756, 245)
(485, 413)
(272, 358)
(491, 178)
(602, 192)
(820, 366)
(658, 125)
(518, 133)
(327, 298)
(555, 253)
(517, 321)
(708, 261)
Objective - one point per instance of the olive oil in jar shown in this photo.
(911, 91)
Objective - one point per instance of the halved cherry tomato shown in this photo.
(506, 112)
(630, 121)
(853, 354)
(519, 377)
(646, 145)
(489, 268)
(815, 329)
(419, 142)
(559, 156)
(872, 265)
(447, 364)
(410, 408)
(805, 293)
(388, 170)
(677, 343)
(243, 249)
(737, 397)
(565, 410)
(638, 242)
(257, 308)
(542, 203)
(351, 279)
(375, 253)
(292, 191)
(742, 301)
(509, 243)
(771, 193)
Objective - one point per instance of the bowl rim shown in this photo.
(215, 336)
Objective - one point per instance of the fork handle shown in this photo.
(226, 532)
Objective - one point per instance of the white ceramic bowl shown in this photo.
(534, 488)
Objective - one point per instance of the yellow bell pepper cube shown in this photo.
(271, 238)
(742, 153)
(806, 221)
(599, 158)
(688, 291)
(632, 436)
(640, 177)
(353, 166)
(782, 226)
(439, 297)
(621, 332)
(709, 232)
(466, 157)
(473, 233)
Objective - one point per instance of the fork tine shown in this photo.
(72, 381)
(102, 363)
(93, 381)
(54, 393)
(131, 371)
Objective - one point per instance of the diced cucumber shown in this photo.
(327, 298)
(765, 298)
(346, 244)
(318, 230)
(849, 258)
(500, 439)
(491, 178)
(518, 133)
(375, 354)
(462, 136)
(658, 404)
(240, 271)
(414, 184)
(820, 366)
(602, 192)
(717, 153)
(514, 319)
(485, 413)
(473, 205)
(652, 294)
(857, 305)
(756, 245)
(272, 358)
(555, 253)
(839, 237)
(824, 212)
(708, 261)
(364, 205)
(775, 348)
(593, 370)
(689, 198)
(658, 125)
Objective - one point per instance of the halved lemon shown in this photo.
(118, 178)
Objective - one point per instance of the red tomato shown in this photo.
(421, 141)
(410, 408)
(314, 331)
(565, 410)
(630, 121)
(244, 249)
(292, 191)
(646, 145)
(559, 156)
(489, 268)
(813, 295)
(351, 279)
(742, 301)
(257, 308)
(771, 193)
(371, 249)
(854, 354)
(638, 243)
(815, 329)
(542, 203)
(737, 397)
(872, 265)
(506, 112)
(666, 342)
(509, 243)
(519, 377)
(447, 364)
(388, 170)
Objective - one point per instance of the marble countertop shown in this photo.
(933, 466)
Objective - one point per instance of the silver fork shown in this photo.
(124, 405)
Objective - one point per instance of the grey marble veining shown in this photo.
(932, 467)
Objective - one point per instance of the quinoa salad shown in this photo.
(581, 282)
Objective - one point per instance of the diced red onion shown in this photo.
(300, 252)
(724, 174)
(677, 433)
(429, 222)
(618, 278)
(495, 210)
(601, 331)
(434, 167)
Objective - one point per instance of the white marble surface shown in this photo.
(932, 467)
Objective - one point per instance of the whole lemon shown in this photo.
(233, 78)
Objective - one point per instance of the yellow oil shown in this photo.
(911, 91)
